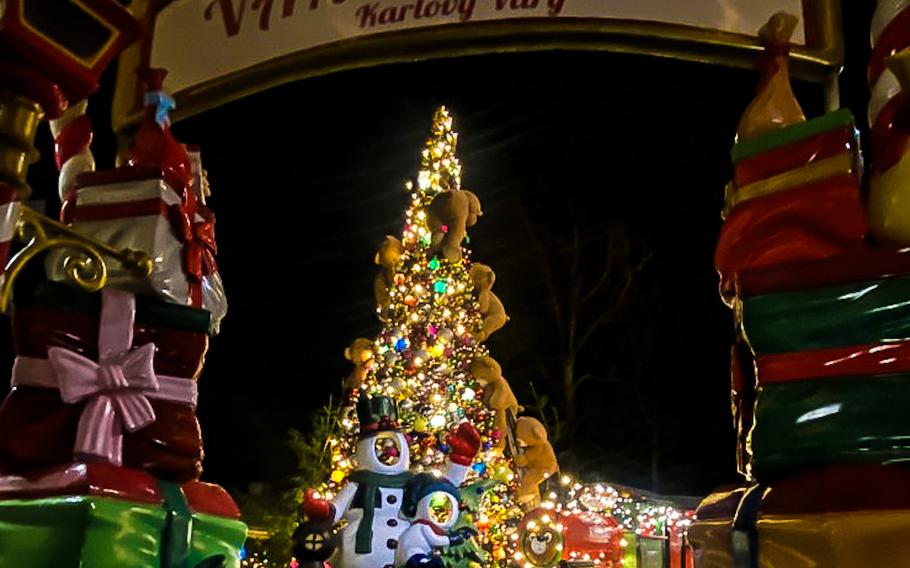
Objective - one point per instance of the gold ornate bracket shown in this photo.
(84, 262)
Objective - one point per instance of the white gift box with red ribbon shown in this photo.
(129, 208)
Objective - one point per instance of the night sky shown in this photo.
(307, 179)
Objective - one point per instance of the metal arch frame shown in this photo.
(820, 60)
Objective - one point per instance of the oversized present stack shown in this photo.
(100, 448)
(821, 368)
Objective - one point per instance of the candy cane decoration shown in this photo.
(888, 204)
(72, 140)
(884, 14)
(890, 33)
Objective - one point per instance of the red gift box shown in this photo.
(105, 480)
(39, 429)
(812, 222)
(795, 198)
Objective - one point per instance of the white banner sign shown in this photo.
(202, 40)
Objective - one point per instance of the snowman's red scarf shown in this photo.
(368, 483)
(436, 529)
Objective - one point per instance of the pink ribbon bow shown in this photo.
(116, 388)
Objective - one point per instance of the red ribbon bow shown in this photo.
(201, 249)
(199, 244)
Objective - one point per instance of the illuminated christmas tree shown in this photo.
(437, 309)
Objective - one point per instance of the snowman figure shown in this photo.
(431, 505)
(371, 499)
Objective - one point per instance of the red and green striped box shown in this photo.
(795, 197)
(831, 340)
(856, 327)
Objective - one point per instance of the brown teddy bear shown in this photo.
(491, 308)
(448, 217)
(536, 457)
(497, 394)
(360, 353)
(388, 256)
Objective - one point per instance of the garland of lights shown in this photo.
(633, 513)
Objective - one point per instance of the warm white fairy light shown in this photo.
(635, 514)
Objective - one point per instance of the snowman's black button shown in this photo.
(392, 523)
(391, 499)
(392, 543)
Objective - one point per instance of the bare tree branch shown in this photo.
(608, 316)
(547, 269)
(607, 272)
(596, 379)
(576, 253)
(544, 371)
(574, 293)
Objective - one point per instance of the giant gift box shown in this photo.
(835, 516)
(100, 515)
(795, 197)
(144, 209)
(38, 427)
(830, 338)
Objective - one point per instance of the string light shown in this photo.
(260, 560)
(632, 513)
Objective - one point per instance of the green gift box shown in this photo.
(115, 517)
(79, 531)
(859, 313)
(838, 420)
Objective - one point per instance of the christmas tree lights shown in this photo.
(422, 356)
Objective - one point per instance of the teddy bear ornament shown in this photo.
(387, 259)
(497, 394)
(360, 354)
(449, 215)
(491, 309)
(537, 459)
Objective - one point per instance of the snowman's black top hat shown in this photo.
(377, 414)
